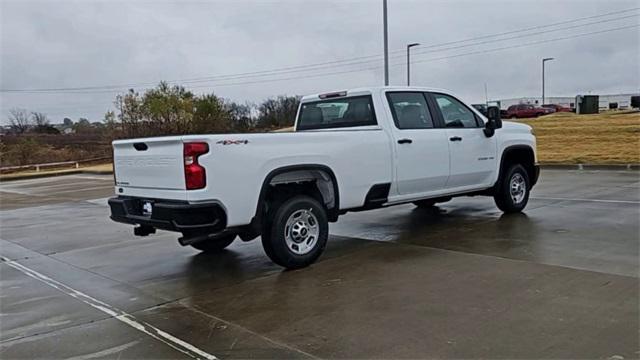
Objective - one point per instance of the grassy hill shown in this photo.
(606, 138)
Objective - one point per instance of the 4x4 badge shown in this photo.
(233, 142)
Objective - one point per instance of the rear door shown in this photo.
(422, 154)
(472, 153)
(152, 163)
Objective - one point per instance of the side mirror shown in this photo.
(495, 121)
(493, 114)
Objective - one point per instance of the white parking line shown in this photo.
(116, 313)
(587, 200)
(95, 177)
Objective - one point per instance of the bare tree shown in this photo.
(40, 119)
(278, 112)
(20, 120)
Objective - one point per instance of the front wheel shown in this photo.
(512, 194)
(296, 233)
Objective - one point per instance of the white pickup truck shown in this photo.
(352, 150)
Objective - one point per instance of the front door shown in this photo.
(422, 153)
(472, 153)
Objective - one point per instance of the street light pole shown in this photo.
(409, 46)
(486, 95)
(543, 61)
(386, 43)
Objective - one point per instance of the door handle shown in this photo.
(455, 138)
(405, 141)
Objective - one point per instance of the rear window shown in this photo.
(337, 113)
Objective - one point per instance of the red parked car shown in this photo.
(557, 108)
(526, 111)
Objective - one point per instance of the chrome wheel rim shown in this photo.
(301, 231)
(517, 188)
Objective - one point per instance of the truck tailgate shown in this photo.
(153, 163)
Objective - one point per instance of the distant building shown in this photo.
(623, 101)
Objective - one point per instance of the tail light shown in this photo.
(113, 165)
(195, 175)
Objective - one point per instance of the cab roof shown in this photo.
(366, 91)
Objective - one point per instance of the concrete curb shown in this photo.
(52, 174)
(97, 172)
(609, 167)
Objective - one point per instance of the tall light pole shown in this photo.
(543, 61)
(486, 95)
(409, 62)
(386, 43)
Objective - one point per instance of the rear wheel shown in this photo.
(512, 194)
(295, 234)
(216, 244)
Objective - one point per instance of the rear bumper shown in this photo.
(169, 215)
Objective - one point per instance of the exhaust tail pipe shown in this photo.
(185, 241)
(143, 230)
(190, 240)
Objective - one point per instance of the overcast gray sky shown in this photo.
(69, 44)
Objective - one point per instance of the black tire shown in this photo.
(274, 240)
(215, 245)
(424, 204)
(503, 196)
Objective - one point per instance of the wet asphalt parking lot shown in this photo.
(458, 281)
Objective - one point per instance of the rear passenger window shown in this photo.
(455, 113)
(410, 110)
(337, 113)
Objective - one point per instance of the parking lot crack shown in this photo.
(244, 329)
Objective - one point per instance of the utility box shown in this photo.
(587, 104)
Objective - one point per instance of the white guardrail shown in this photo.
(38, 167)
